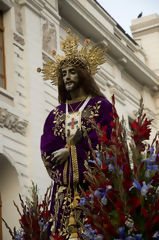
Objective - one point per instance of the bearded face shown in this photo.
(70, 78)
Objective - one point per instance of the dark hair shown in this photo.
(87, 82)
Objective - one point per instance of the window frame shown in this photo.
(3, 76)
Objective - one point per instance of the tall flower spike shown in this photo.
(87, 57)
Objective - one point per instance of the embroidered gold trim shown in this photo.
(65, 172)
(74, 164)
(59, 126)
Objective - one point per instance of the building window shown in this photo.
(2, 62)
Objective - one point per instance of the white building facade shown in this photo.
(30, 30)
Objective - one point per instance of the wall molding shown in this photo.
(12, 122)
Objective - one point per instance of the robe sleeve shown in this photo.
(49, 144)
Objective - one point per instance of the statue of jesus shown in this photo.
(70, 127)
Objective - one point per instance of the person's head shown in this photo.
(85, 60)
(72, 78)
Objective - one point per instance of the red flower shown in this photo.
(119, 206)
(155, 220)
(144, 212)
(127, 183)
(133, 203)
(126, 170)
(89, 220)
(103, 138)
(110, 229)
(122, 219)
(141, 131)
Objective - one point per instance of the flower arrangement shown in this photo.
(34, 216)
(122, 202)
(123, 197)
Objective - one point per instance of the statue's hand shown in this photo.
(60, 156)
(76, 138)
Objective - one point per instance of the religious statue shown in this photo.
(70, 129)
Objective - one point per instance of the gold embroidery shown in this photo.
(91, 111)
(74, 164)
(65, 172)
(63, 230)
(47, 164)
(59, 121)
(72, 227)
(88, 115)
(59, 202)
(51, 169)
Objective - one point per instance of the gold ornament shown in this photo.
(88, 58)
(72, 226)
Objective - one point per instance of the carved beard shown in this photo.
(71, 86)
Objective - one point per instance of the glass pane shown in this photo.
(1, 63)
(1, 82)
(0, 39)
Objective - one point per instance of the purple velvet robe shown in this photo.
(98, 109)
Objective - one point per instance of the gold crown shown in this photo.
(89, 58)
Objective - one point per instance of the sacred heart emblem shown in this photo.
(72, 123)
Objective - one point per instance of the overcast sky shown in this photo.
(123, 11)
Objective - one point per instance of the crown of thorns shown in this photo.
(87, 58)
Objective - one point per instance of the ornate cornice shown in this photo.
(40, 6)
(12, 122)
